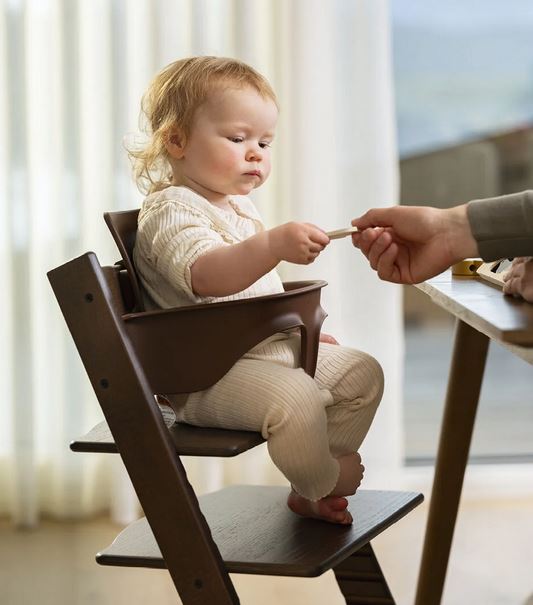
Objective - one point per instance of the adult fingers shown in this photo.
(516, 270)
(382, 242)
(512, 287)
(376, 217)
(364, 239)
(528, 269)
(386, 267)
(356, 238)
(367, 238)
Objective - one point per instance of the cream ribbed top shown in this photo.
(175, 227)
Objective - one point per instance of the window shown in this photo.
(463, 72)
(463, 69)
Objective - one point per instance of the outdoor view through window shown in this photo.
(464, 97)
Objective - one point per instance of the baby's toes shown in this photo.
(336, 503)
(344, 518)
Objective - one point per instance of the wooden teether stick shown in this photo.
(341, 232)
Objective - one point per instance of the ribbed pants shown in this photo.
(307, 422)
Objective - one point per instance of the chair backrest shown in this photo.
(123, 227)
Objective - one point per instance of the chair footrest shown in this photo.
(189, 441)
(257, 534)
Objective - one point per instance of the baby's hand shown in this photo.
(298, 243)
(328, 338)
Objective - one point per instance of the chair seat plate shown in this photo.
(189, 441)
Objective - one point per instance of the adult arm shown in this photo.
(503, 226)
(407, 244)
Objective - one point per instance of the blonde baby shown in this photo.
(211, 122)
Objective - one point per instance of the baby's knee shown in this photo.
(366, 379)
(377, 378)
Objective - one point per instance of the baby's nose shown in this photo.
(254, 154)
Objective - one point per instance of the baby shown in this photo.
(211, 122)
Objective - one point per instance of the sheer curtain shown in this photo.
(71, 77)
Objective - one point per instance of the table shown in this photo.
(483, 314)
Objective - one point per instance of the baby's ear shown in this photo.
(175, 144)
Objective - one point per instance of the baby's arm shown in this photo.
(230, 269)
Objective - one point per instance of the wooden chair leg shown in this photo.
(361, 580)
(464, 387)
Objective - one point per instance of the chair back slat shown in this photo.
(123, 227)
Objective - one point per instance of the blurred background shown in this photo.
(463, 77)
(382, 102)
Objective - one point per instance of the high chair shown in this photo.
(130, 355)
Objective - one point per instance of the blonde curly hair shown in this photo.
(169, 104)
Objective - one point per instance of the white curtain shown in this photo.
(71, 76)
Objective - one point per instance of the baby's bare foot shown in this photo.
(331, 508)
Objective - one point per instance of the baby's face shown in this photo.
(228, 149)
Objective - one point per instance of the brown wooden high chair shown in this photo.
(131, 354)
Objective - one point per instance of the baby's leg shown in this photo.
(289, 408)
(355, 380)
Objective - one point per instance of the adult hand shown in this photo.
(298, 243)
(519, 278)
(408, 244)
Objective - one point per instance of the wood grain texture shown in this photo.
(361, 580)
(484, 307)
(188, 440)
(462, 397)
(257, 534)
(92, 305)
